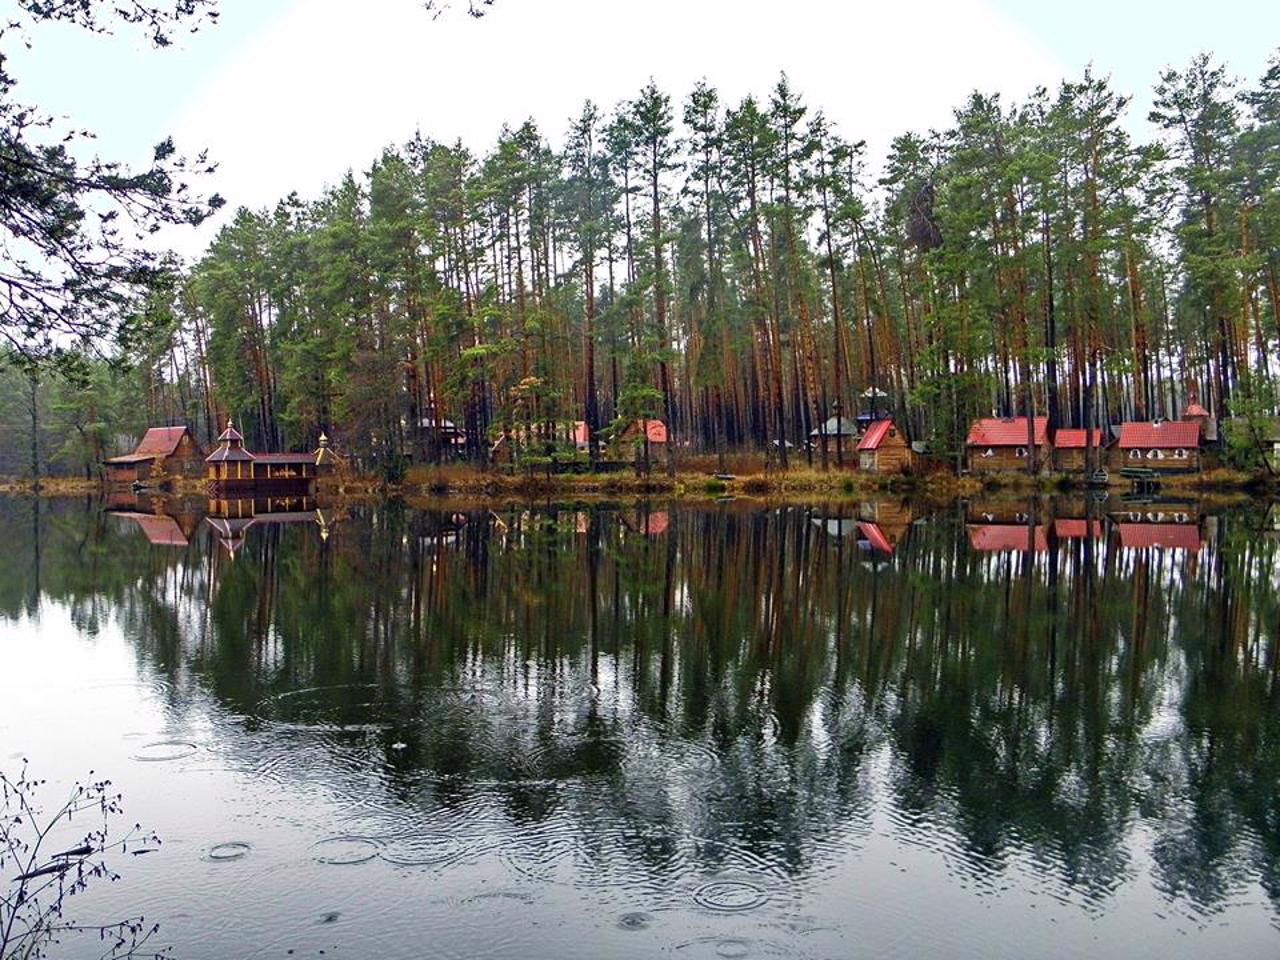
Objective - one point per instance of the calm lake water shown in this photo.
(1006, 729)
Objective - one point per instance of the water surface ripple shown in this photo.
(751, 732)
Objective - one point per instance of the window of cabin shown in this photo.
(1020, 452)
(1180, 454)
(1135, 454)
(988, 452)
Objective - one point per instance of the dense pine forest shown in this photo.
(741, 271)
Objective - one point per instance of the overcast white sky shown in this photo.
(288, 94)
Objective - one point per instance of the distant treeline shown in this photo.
(734, 270)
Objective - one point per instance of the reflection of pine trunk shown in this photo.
(37, 541)
(593, 591)
(1141, 605)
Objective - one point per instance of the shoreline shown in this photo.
(453, 482)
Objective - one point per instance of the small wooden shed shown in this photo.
(163, 451)
(1070, 445)
(883, 449)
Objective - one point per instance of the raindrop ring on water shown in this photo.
(233, 850)
(165, 750)
(731, 948)
(345, 851)
(729, 896)
(422, 851)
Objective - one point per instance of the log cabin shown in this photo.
(162, 452)
(1070, 447)
(997, 444)
(883, 449)
(1168, 446)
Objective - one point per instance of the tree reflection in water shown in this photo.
(677, 687)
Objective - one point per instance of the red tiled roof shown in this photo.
(1174, 536)
(875, 435)
(874, 535)
(155, 443)
(1166, 434)
(160, 441)
(1067, 528)
(1010, 432)
(581, 435)
(1007, 536)
(1072, 438)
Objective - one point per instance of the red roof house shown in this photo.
(1163, 435)
(1006, 432)
(1161, 445)
(1001, 444)
(161, 450)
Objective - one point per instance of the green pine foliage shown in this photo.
(738, 270)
